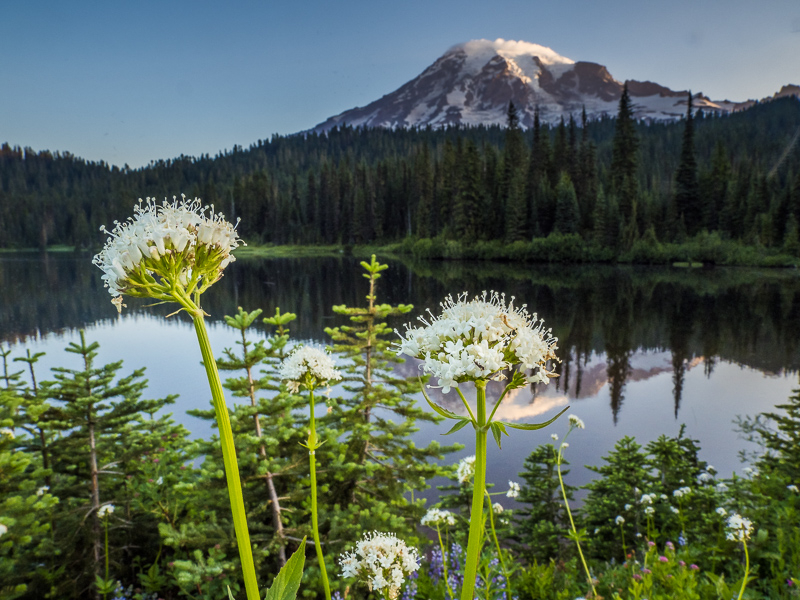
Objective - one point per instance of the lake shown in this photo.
(644, 350)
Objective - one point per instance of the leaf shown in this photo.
(230, 594)
(458, 426)
(287, 582)
(498, 427)
(442, 411)
(532, 426)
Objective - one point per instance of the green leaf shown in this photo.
(287, 582)
(230, 594)
(498, 427)
(458, 426)
(531, 426)
(442, 411)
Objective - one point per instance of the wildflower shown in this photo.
(564, 445)
(477, 340)
(497, 508)
(663, 559)
(674, 510)
(513, 489)
(670, 545)
(663, 497)
(705, 477)
(792, 488)
(43, 490)
(694, 567)
(619, 520)
(628, 507)
(554, 437)
(646, 571)
(739, 528)
(308, 367)
(681, 563)
(5, 431)
(382, 561)
(169, 251)
(721, 487)
(650, 544)
(465, 469)
(721, 511)
(680, 492)
(160, 481)
(649, 510)
(3, 530)
(647, 498)
(436, 516)
(105, 511)
(574, 421)
(682, 540)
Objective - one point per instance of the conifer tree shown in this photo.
(687, 189)
(377, 466)
(93, 408)
(541, 524)
(567, 211)
(624, 160)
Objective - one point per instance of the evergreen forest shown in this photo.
(610, 189)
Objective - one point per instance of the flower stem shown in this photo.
(444, 564)
(312, 447)
(499, 552)
(229, 460)
(478, 490)
(571, 520)
(746, 569)
(106, 528)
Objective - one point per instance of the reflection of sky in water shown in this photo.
(169, 350)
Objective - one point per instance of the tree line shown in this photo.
(613, 182)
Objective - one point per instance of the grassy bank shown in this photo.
(704, 249)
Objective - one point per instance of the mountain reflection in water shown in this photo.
(643, 349)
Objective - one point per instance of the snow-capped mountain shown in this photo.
(472, 84)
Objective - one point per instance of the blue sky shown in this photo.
(130, 82)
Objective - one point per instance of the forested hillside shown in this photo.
(613, 182)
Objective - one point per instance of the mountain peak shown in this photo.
(472, 84)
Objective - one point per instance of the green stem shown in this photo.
(444, 564)
(746, 569)
(229, 460)
(312, 447)
(571, 521)
(478, 490)
(499, 553)
(106, 528)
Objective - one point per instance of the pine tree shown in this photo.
(541, 524)
(687, 189)
(567, 211)
(624, 160)
(374, 466)
(93, 411)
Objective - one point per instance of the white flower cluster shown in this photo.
(739, 528)
(382, 561)
(179, 230)
(105, 511)
(436, 516)
(3, 530)
(477, 340)
(619, 520)
(681, 492)
(648, 498)
(465, 469)
(6, 432)
(721, 511)
(792, 488)
(308, 367)
(513, 489)
(574, 421)
(497, 508)
(705, 477)
(43, 490)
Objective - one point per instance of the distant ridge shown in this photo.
(472, 84)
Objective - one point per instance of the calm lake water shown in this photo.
(644, 350)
